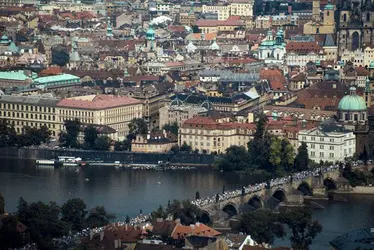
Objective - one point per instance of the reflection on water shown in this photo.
(127, 191)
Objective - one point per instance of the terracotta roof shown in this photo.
(164, 227)
(209, 123)
(98, 102)
(298, 77)
(197, 229)
(277, 85)
(214, 23)
(272, 75)
(303, 47)
(176, 28)
(141, 246)
(207, 36)
(54, 70)
(201, 120)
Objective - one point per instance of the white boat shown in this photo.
(69, 161)
(45, 162)
(109, 164)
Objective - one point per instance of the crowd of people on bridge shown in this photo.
(271, 183)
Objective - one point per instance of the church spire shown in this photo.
(109, 31)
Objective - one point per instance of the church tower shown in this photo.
(316, 11)
(109, 31)
(328, 14)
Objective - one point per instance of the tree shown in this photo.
(10, 236)
(127, 220)
(261, 127)
(364, 156)
(90, 137)
(172, 128)
(7, 133)
(99, 217)
(275, 151)
(174, 148)
(187, 212)
(302, 158)
(287, 155)
(236, 158)
(160, 212)
(74, 213)
(102, 143)
(195, 29)
(138, 126)
(262, 225)
(42, 221)
(69, 138)
(304, 229)
(185, 148)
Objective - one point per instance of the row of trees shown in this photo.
(265, 152)
(30, 135)
(45, 221)
(265, 226)
(92, 140)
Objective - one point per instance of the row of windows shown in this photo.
(27, 116)
(321, 154)
(20, 107)
(313, 138)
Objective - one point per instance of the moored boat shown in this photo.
(45, 162)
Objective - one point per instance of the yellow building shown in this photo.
(205, 134)
(213, 26)
(32, 111)
(368, 55)
(114, 111)
(318, 26)
(158, 142)
(235, 8)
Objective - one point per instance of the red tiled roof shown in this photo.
(98, 102)
(272, 75)
(214, 23)
(198, 229)
(277, 85)
(303, 47)
(209, 123)
(361, 71)
(53, 70)
(176, 28)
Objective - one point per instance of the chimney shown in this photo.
(101, 235)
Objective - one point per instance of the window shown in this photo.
(331, 147)
(312, 153)
(321, 147)
(321, 154)
(322, 139)
(345, 17)
(304, 138)
(312, 146)
(331, 140)
(313, 138)
(331, 155)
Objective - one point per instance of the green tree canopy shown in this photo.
(172, 128)
(102, 143)
(262, 225)
(99, 217)
(90, 137)
(185, 148)
(302, 158)
(187, 212)
(8, 135)
(304, 229)
(74, 213)
(138, 126)
(69, 138)
(236, 158)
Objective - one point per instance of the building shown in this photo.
(32, 111)
(235, 8)
(352, 108)
(113, 111)
(272, 50)
(368, 55)
(154, 142)
(213, 26)
(316, 25)
(56, 81)
(18, 79)
(330, 49)
(207, 135)
(178, 112)
(301, 53)
(263, 22)
(329, 142)
(356, 57)
(355, 24)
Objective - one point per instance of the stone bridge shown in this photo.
(289, 193)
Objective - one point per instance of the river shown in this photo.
(125, 192)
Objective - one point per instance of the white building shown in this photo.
(356, 57)
(271, 50)
(235, 8)
(329, 143)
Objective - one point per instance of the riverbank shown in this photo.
(182, 159)
(359, 190)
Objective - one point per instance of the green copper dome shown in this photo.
(371, 66)
(352, 102)
(329, 7)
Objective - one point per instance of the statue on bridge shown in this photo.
(243, 191)
(217, 198)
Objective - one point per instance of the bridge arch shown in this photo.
(206, 218)
(305, 188)
(329, 183)
(230, 209)
(280, 195)
(256, 202)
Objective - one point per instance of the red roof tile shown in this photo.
(198, 229)
(303, 47)
(99, 102)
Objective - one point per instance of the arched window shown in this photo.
(368, 17)
(328, 13)
(345, 17)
